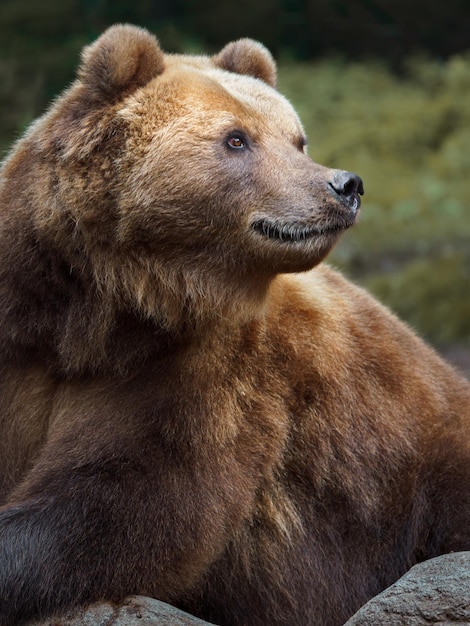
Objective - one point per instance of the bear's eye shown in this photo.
(236, 142)
(302, 144)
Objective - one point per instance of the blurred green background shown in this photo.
(382, 86)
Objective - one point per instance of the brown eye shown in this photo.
(235, 142)
(302, 143)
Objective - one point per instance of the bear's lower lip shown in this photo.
(292, 232)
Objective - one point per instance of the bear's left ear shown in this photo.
(123, 59)
(250, 57)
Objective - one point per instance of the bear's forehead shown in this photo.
(217, 97)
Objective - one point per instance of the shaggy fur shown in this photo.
(186, 411)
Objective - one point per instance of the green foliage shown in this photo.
(432, 294)
(408, 137)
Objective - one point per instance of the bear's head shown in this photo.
(179, 185)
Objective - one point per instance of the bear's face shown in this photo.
(187, 175)
(216, 166)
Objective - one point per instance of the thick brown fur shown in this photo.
(187, 411)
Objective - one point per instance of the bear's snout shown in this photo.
(347, 187)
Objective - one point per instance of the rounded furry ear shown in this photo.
(250, 57)
(123, 59)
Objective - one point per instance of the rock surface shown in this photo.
(434, 592)
(134, 611)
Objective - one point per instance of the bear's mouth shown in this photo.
(293, 232)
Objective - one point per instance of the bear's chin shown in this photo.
(293, 233)
(293, 247)
(286, 258)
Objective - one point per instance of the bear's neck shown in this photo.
(100, 320)
(179, 298)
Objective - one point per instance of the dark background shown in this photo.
(42, 38)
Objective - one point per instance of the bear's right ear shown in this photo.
(123, 59)
(250, 57)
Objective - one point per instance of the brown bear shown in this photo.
(187, 412)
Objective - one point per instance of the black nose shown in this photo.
(347, 187)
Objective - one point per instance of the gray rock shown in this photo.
(434, 592)
(134, 611)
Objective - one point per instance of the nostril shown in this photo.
(351, 185)
(346, 183)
